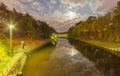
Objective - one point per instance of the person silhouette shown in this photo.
(22, 44)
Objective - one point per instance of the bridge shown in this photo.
(54, 37)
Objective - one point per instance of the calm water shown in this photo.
(75, 59)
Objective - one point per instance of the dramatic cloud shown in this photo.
(64, 25)
(61, 14)
(74, 3)
(28, 0)
(102, 6)
(53, 1)
(61, 17)
(8, 3)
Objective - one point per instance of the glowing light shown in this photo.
(11, 26)
(72, 14)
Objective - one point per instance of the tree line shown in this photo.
(105, 27)
(25, 24)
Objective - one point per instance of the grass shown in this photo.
(5, 62)
(5, 59)
(113, 47)
(106, 44)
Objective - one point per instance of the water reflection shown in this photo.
(106, 62)
(66, 60)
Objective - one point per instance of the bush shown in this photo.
(4, 48)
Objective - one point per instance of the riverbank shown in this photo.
(113, 47)
(8, 64)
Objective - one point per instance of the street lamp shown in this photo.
(11, 27)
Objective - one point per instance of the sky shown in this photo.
(62, 14)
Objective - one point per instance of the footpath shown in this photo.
(17, 62)
(113, 47)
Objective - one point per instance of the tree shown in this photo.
(100, 28)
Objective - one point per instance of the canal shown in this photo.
(72, 58)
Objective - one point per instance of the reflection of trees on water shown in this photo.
(60, 62)
(105, 61)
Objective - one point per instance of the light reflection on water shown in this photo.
(105, 61)
(62, 60)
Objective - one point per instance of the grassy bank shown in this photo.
(107, 44)
(5, 59)
(113, 47)
(4, 54)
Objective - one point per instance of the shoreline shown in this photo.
(112, 47)
(28, 48)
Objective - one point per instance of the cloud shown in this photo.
(102, 6)
(28, 0)
(37, 6)
(8, 3)
(74, 3)
(62, 17)
(97, 6)
(53, 1)
(57, 12)
(35, 3)
(107, 6)
(62, 21)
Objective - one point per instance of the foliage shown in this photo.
(4, 50)
(106, 27)
(25, 25)
(54, 38)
